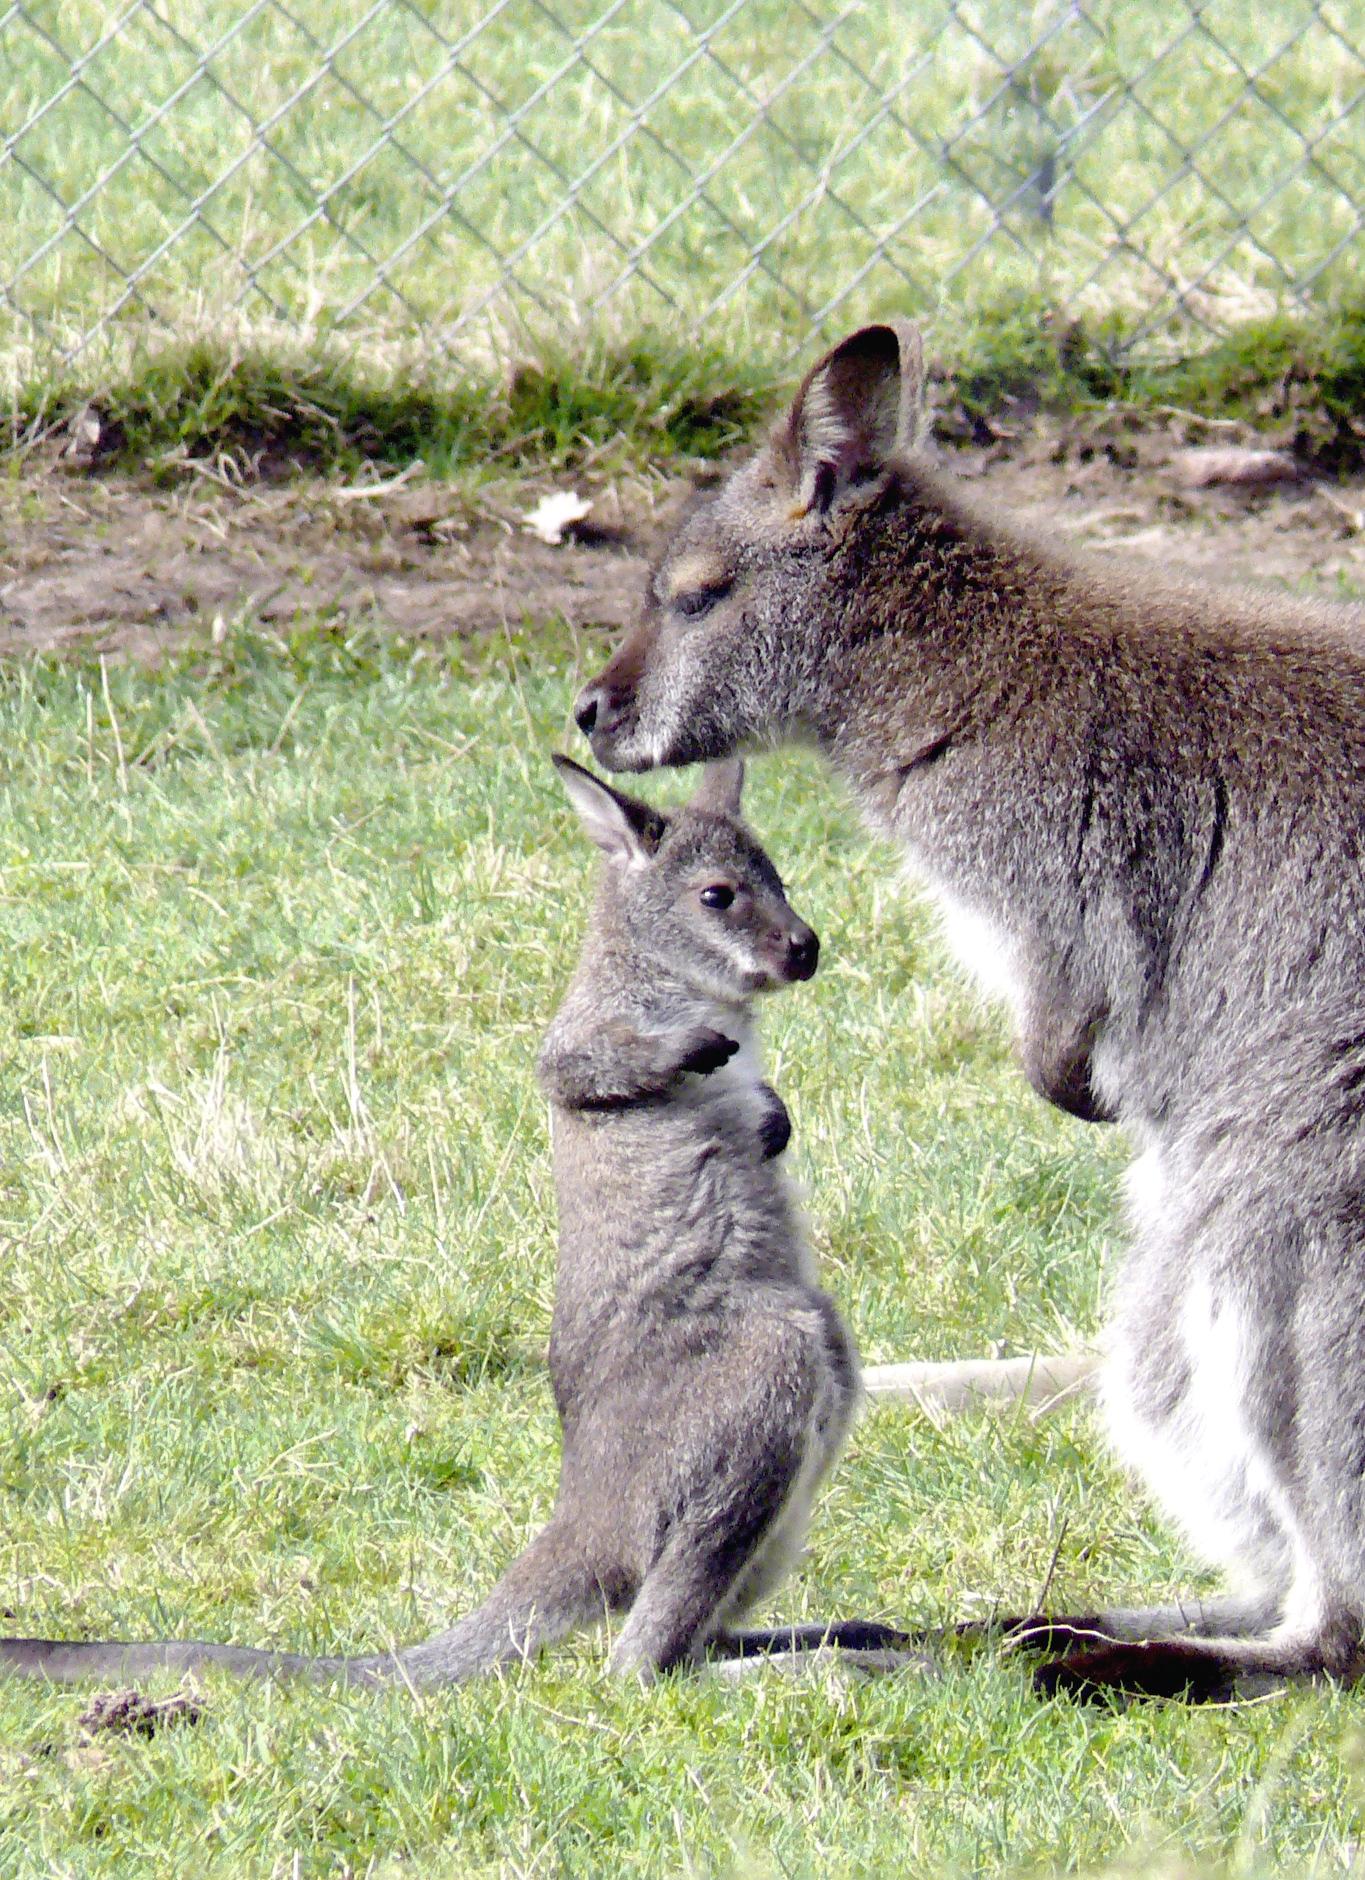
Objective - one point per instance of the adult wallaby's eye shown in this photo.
(717, 896)
(700, 600)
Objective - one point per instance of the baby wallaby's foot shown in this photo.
(842, 1634)
(864, 1647)
(823, 1661)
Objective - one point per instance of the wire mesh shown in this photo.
(767, 167)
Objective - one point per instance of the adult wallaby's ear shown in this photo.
(863, 403)
(721, 787)
(627, 831)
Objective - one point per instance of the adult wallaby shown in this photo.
(704, 1382)
(1140, 803)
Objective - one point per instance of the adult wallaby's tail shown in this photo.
(547, 1591)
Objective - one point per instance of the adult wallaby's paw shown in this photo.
(707, 1050)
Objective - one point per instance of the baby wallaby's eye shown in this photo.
(719, 894)
(700, 600)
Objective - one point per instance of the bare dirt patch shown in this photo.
(109, 563)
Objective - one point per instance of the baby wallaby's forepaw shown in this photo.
(707, 1051)
(775, 1131)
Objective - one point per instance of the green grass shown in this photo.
(269, 413)
(283, 925)
(1118, 172)
(625, 409)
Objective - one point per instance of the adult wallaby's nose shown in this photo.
(803, 953)
(586, 707)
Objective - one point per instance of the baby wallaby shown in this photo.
(703, 1380)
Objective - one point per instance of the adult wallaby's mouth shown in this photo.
(608, 751)
(611, 726)
(620, 743)
(612, 731)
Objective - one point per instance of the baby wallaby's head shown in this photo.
(691, 891)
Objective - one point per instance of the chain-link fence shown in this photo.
(752, 170)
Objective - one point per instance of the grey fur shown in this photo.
(1147, 797)
(703, 1380)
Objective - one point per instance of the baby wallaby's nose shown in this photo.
(803, 952)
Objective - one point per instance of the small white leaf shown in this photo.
(553, 514)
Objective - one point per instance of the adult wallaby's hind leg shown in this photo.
(1227, 1615)
(1260, 1466)
(1206, 1670)
(1164, 1641)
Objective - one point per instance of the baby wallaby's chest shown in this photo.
(737, 1085)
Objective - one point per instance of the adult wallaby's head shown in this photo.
(691, 891)
(740, 602)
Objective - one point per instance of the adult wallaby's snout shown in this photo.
(607, 712)
(589, 706)
(604, 704)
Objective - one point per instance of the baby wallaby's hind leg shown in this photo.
(737, 1490)
(677, 1607)
(744, 1503)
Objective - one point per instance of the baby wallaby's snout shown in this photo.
(789, 949)
(739, 905)
(801, 950)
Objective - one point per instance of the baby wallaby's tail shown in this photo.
(547, 1591)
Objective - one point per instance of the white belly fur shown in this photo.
(1203, 1463)
(742, 1076)
(981, 948)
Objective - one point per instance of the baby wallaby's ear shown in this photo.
(862, 404)
(721, 787)
(627, 831)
